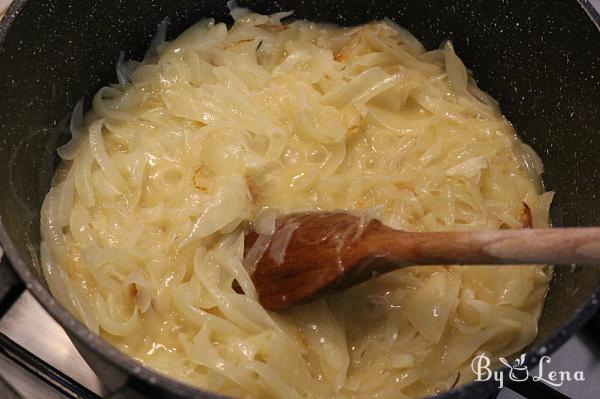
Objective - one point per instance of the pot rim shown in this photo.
(132, 367)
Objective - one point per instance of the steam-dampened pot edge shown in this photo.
(147, 376)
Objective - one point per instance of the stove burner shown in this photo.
(53, 377)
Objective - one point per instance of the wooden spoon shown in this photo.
(311, 254)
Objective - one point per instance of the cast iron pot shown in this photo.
(539, 58)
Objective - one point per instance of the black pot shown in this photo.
(539, 58)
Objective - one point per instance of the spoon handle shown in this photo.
(525, 246)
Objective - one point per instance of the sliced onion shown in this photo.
(236, 11)
(102, 157)
(120, 67)
(412, 42)
(158, 39)
(70, 150)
